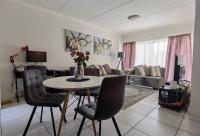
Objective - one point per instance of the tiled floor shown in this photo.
(145, 118)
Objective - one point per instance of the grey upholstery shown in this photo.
(148, 80)
(35, 93)
(109, 103)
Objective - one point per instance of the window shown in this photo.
(151, 53)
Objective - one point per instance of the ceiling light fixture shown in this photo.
(133, 17)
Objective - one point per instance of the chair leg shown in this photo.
(29, 122)
(95, 98)
(116, 126)
(53, 123)
(99, 127)
(81, 126)
(83, 100)
(65, 120)
(79, 100)
(41, 114)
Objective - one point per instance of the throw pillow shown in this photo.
(158, 71)
(107, 69)
(148, 71)
(154, 71)
(136, 70)
(102, 70)
(141, 70)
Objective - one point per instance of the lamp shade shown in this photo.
(120, 55)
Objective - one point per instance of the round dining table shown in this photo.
(67, 87)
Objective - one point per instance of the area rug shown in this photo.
(134, 94)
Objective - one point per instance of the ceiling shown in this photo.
(112, 14)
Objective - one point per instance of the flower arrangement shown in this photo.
(80, 58)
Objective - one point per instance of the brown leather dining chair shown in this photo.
(109, 102)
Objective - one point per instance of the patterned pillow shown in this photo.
(141, 70)
(136, 70)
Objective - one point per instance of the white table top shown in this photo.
(62, 83)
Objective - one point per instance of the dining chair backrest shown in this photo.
(33, 86)
(111, 97)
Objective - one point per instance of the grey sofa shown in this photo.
(147, 80)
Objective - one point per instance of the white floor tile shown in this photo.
(150, 101)
(9, 114)
(135, 132)
(141, 108)
(190, 125)
(17, 126)
(155, 128)
(167, 116)
(86, 132)
(184, 133)
(128, 117)
(68, 129)
(108, 128)
(39, 131)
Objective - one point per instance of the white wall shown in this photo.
(44, 31)
(195, 91)
(160, 32)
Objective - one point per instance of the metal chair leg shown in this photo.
(79, 100)
(116, 126)
(65, 120)
(99, 127)
(81, 126)
(53, 123)
(41, 114)
(29, 122)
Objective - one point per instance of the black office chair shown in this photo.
(36, 95)
(109, 102)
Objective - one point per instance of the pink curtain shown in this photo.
(179, 45)
(129, 49)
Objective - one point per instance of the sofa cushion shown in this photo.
(147, 70)
(103, 72)
(154, 71)
(136, 71)
(107, 69)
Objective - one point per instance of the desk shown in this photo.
(17, 74)
(67, 86)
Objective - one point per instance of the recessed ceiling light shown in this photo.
(133, 17)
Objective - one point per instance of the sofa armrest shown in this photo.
(116, 71)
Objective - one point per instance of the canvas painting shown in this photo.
(102, 46)
(78, 41)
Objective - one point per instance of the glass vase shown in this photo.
(78, 71)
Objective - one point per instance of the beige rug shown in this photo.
(134, 94)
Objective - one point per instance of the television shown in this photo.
(36, 56)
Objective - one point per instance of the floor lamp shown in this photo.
(121, 58)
